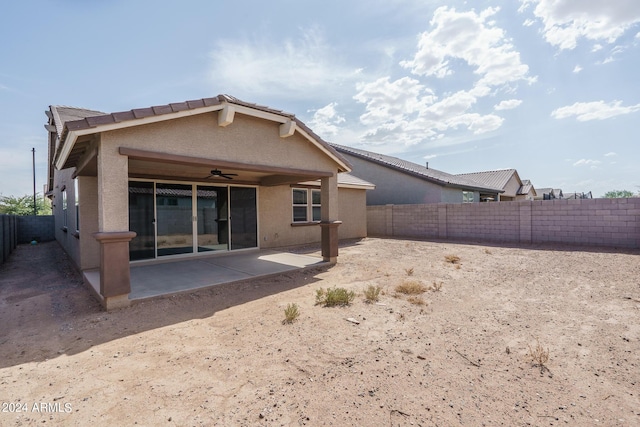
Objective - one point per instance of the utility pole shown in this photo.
(35, 206)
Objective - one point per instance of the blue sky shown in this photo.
(547, 87)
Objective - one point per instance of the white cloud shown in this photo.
(597, 110)
(325, 120)
(587, 162)
(528, 22)
(467, 36)
(577, 69)
(610, 154)
(303, 67)
(566, 21)
(508, 104)
(430, 156)
(406, 111)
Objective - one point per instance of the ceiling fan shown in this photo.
(218, 173)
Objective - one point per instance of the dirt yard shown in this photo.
(457, 356)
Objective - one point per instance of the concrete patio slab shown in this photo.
(152, 280)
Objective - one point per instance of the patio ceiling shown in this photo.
(156, 165)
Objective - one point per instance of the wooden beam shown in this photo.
(287, 129)
(225, 116)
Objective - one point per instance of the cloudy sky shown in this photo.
(549, 87)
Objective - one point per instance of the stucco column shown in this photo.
(113, 225)
(329, 218)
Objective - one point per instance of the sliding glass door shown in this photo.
(174, 219)
(142, 220)
(181, 219)
(244, 217)
(212, 218)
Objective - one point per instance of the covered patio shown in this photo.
(155, 279)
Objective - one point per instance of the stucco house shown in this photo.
(399, 181)
(508, 180)
(191, 179)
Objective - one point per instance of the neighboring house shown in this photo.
(192, 178)
(508, 180)
(549, 194)
(574, 196)
(527, 191)
(399, 181)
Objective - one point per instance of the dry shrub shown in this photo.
(413, 299)
(411, 287)
(453, 259)
(539, 355)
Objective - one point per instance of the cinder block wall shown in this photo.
(593, 222)
(41, 227)
(8, 236)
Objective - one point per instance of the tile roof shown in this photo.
(495, 179)
(63, 114)
(429, 174)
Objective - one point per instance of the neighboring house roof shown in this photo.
(526, 187)
(553, 193)
(414, 169)
(73, 123)
(496, 178)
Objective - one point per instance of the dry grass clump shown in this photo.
(411, 287)
(334, 297)
(291, 313)
(436, 286)
(539, 355)
(453, 259)
(409, 271)
(416, 300)
(372, 293)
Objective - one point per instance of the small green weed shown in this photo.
(291, 313)
(334, 297)
(372, 293)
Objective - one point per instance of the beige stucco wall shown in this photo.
(62, 179)
(352, 211)
(512, 187)
(248, 139)
(89, 246)
(275, 217)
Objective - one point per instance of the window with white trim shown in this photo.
(64, 208)
(306, 205)
(468, 197)
(76, 199)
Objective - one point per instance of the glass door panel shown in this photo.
(244, 217)
(174, 219)
(143, 246)
(213, 224)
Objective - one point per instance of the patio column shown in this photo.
(329, 218)
(113, 225)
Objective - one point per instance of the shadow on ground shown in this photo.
(46, 311)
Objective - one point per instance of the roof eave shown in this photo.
(71, 136)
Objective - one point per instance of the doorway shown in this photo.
(178, 219)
